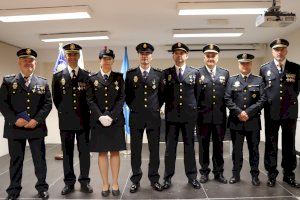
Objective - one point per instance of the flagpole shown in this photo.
(124, 68)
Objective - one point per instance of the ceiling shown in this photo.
(133, 21)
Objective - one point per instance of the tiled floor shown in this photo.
(179, 190)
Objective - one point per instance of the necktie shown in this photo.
(74, 74)
(180, 77)
(105, 77)
(245, 78)
(280, 68)
(145, 75)
(26, 78)
(212, 74)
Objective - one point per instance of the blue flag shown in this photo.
(124, 68)
(61, 62)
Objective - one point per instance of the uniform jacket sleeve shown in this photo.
(46, 106)
(228, 99)
(5, 107)
(56, 91)
(256, 108)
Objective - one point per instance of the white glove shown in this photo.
(105, 120)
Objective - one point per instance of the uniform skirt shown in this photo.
(104, 139)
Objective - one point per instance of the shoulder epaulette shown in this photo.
(119, 73)
(42, 77)
(131, 69)
(92, 74)
(193, 67)
(265, 64)
(10, 75)
(234, 75)
(223, 68)
(157, 69)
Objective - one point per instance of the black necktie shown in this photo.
(212, 74)
(180, 77)
(245, 78)
(74, 74)
(280, 68)
(145, 75)
(26, 78)
(105, 77)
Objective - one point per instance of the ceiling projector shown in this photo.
(273, 17)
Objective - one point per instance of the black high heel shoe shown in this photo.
(105, 193)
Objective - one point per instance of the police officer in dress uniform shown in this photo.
(244, 97)
(69, 96)
(143, 89)
(106, 96)
(282, 80)
(212, 113)
(25, 102)
(180, 93)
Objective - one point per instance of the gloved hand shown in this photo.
(105, 120)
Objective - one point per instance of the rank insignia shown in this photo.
(15, 85)
(63, 81)
(96, 83)
(135, 79)
(154, 84)
(269, 73)
(117, 85)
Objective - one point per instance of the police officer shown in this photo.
(25, 102)
(143, 89)
(69, 96)
(212, 113)
(106, 96)
(282, 80)
(180, 93)
(244, 97)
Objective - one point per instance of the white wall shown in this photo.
(7, 66)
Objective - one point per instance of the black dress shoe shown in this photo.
(115, 192)
(220, 178)
(105, 193)
(134, 187)
(271, 182)
(203, 178)
(86, 188)
(67, 189)
(195, 183)
(234, 179)
(157, 186)
(255, 181)
(167, 183)
(291, 181)
(43, 195)
(12, 196)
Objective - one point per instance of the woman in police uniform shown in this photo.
(105, 97)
